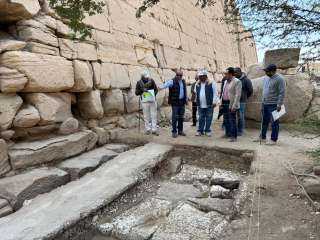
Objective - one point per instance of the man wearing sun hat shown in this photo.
(206, 98)
(147, 90)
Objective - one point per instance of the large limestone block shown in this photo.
(145, 56)
(90, 105)
(53, 107)
(45, 73)
(11, 11)
(4, 159)
(314, 110)
(255, 71)
(283, 58)
(116, 47)
(34, 33)
(99, 21)
(10, 104)
(77, 50)
(7, 43)
(27, 117)
(113, 102)
(83, 76)
(132, 103)
(30, 184)
(28, 154)
(86, 162)
(40, 48)
(297, 101)
(114, 76)
(11, 80)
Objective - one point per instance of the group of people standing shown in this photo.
(236, 89)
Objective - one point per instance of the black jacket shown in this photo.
(142, 87)
(247, 89)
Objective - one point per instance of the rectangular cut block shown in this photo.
(29, 154)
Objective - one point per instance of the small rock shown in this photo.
(7, 135)
(27, 117)
(225, 179)
(106, 229)
(69, 126)
(219, 192)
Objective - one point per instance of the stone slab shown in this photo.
(30, 184)
(190, 174)
(226, 179)
(5, 208)
(119, 148)
(50, 214)
(177, 192)
(28, 154)
(222, 206)
(87, 162)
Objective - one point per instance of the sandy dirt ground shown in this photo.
(278, 212)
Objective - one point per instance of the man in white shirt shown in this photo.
(207, 98)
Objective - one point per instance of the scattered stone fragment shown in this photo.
(141, 222)
(86, 162)
(222, 206)
(177, 192)
(283, 58)
(219, 192)
(28, 154)
(105, 229)
(189, 174)
(186, 222)
(69, 126)
(27, 117)
(30, 184)
(226, 179)
(103, 136)
(119, 148)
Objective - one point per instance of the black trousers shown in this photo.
(194, 113)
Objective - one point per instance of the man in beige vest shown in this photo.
(234, 89)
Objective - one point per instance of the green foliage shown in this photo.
(75, 11)
(309, 125)
(315, 154)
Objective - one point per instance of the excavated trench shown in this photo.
(195, 193)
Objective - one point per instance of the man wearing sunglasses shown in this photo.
(178, 100)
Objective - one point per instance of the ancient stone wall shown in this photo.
(46, 78)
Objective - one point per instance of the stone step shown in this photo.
(29, 154)
(28, 185)
(50, 214)
(87, 162)
(119, 148)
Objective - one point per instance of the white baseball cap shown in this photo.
(145, 74)
(202, 72)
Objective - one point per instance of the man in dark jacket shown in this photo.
(178, 100)
(247, 91)
(147, 89)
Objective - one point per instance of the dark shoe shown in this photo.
(182, 134)
(199, 134)
(233, 140)
(174, 135)
(156, 133)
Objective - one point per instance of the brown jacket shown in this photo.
(235, 91)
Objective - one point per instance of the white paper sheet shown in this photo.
(277, 115)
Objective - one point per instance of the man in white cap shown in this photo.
(147, 90)
(207, 98)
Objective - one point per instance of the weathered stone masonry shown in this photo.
(46, 78)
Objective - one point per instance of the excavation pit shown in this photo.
(195, 193)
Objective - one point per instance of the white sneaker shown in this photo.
(271, 143)
(209, 134)
(199, 134)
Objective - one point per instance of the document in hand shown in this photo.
(148, 96)
(277, 115)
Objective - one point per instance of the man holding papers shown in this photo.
(272, 103)
(147, 89)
